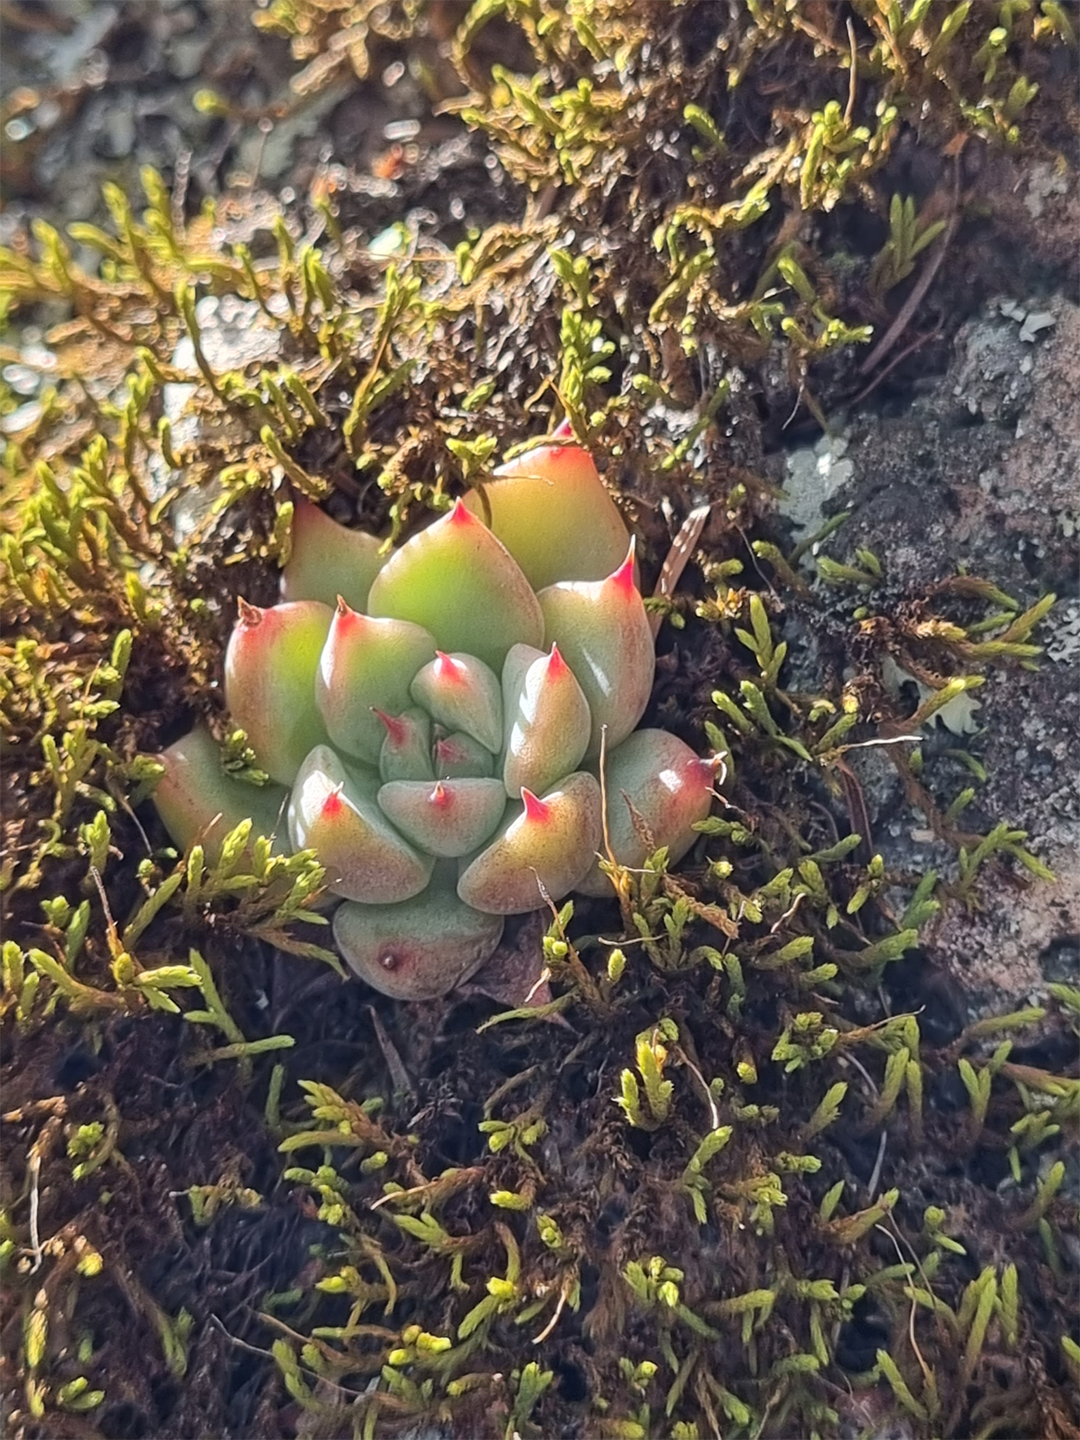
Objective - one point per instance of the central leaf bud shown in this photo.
(462, 693)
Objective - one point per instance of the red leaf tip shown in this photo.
(459, 515)
(557, 666)
(564, 430)
(396, 729)
(623, 577)
(535, 808)
(333, 805)
(448, 669)
(440, 797)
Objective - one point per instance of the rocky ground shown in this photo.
(976, 469)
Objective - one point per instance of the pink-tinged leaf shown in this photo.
(421, 949)
(547, 719)
(461, 584)
(334, 813)
(551, 511)
(546, 849)
(669, 787)
(327, 560)
(270, 667)
(367, 665)
(602, 631)
(406, 748)
(198, 801)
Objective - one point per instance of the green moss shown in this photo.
(742, 1022)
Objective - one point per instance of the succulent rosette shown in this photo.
(432, 721)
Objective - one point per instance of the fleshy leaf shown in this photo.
(406, 747)
(270, 667)
(327, 560)
(448, 818)
(421, 949)
(459, 755)
(547, 720)
(668, 786)
(462, 693)
(603, 633)
(198, 800)
(551, 843)
(459, 582)
(367, 664)
(334, 813)
(551, 511)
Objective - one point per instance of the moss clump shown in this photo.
(729, 1176)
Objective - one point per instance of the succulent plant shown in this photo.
(432, 721)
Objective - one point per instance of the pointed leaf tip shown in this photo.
(535, 808)
(447, 668)
(547, 720)
(603, 631)
(449, 819)
(366, 665)
(527, 861)
(345, 614)
(336, 815)
(333, 804)
(564, 430)
(270, 665)
(489, 605)
(395, 727)
(557, 666)
(461, 693)
(655, 778)
(623, 577)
